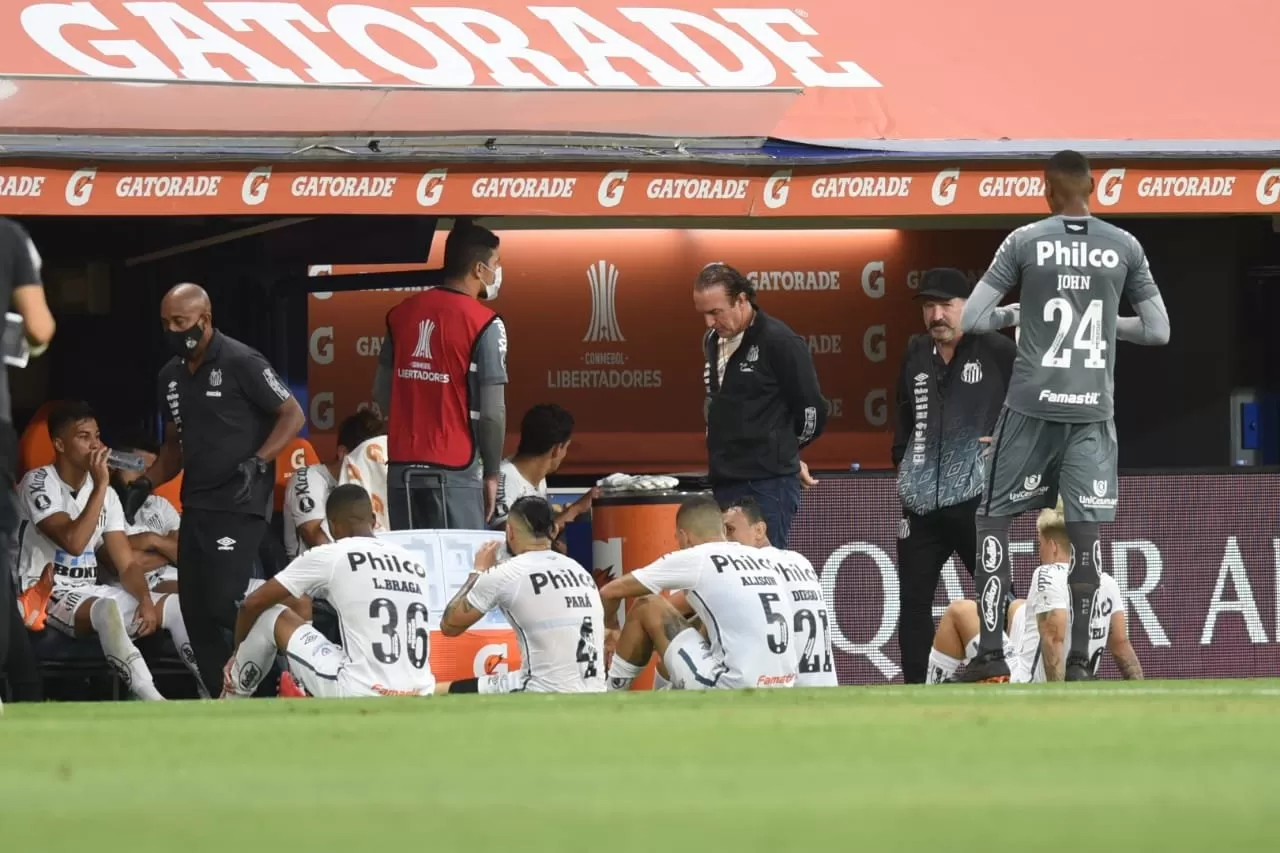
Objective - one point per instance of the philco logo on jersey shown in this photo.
(1031, 488)
(1074, 253)
(358, 560)
(1090, 398)
(560, 579)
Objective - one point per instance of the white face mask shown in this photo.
(491, 291)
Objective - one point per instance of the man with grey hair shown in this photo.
(763, 402)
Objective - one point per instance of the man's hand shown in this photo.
(490, 498)
(806, 479)
(146, 620)
(985, 441)
(135, 495)
(249, 472)
(98, 467)
(487, 556)
(228, 682)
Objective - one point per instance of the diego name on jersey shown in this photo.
(42, 494)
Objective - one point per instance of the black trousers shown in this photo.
(929, 541)
(216, 553)
(17, 663)
(421, 498)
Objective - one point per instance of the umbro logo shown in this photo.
(226, 543)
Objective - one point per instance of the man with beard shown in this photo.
(949, 395)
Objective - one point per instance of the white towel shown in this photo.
(367, 466)
(637, 482)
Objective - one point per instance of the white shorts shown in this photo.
(691, 664)
(64, 601)
(321, 668)
(1019, 669)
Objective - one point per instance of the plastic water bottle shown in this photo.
(855, 467)
(123, 461)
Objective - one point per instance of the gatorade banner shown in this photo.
(899, 76)
(987, 188)
(1201, 577)
(602, 322)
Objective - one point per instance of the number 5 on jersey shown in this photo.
(1088, 335)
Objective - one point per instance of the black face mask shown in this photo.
(183, 344)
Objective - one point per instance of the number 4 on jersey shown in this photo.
(1088, 335)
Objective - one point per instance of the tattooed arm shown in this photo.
(1053, 633)
(459, 615)
(1122, 650)
(484, 590)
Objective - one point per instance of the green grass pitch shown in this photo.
(1155, 766)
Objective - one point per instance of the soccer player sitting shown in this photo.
(745, 523)
(739, 596)
(550, 600)
(69, 512)
(1037, 638)
(154, 532)
(380, 593)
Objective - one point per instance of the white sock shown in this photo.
(121, 653)
(622, 673)
(254, 657)
(941, 667)
(171, 621)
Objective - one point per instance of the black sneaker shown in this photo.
(1078, 670)
(987, 668)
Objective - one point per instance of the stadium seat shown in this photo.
(35, 448)
(172, 492)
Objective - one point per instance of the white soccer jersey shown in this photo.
(554, 607)
(304, 501)
(42, 494)
(811, 625)
(157, 516)
(379, 591)
(1050, 591)
(512, 486)
(366, 466)
(743, 602)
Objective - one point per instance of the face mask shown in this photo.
(491, 292)
(183, 344)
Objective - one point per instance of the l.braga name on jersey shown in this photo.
(388, 563)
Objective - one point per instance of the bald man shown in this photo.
(227, 417)
(740, 598)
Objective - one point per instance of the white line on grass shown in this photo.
(994, 690)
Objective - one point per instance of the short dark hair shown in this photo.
(69, 413)
(534, 514)
(542, 428)
(348, 501)
(748, 506)
(1069, 164)
(699, 513)
(466, 246)
(719, 274)
(359, 428)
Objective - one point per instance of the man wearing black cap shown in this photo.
(949, 395)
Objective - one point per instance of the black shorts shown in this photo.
(217, 553)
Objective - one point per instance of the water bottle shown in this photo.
(123, 461)
(855, 467)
